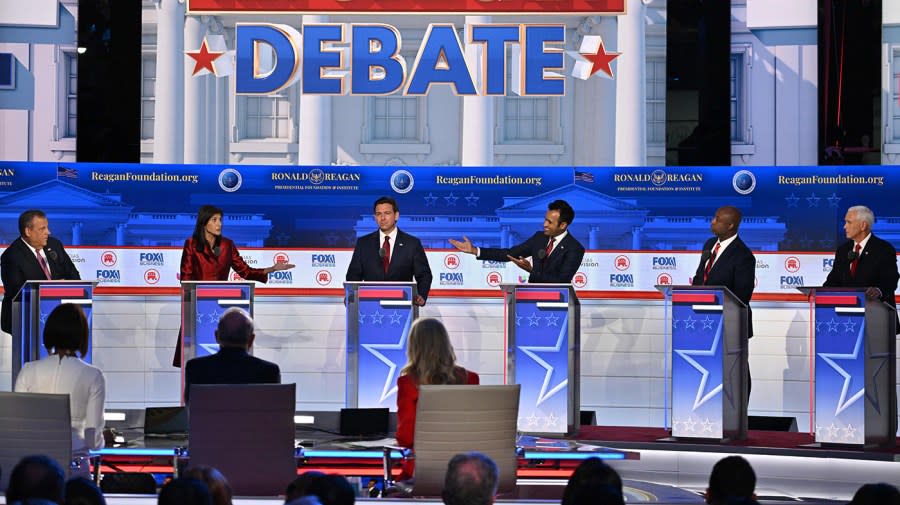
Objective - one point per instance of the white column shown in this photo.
(594, 135)
(168, 128)
(315, 122)
(193, 140)
(631, 93)
(478, 111)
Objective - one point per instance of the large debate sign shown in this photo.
(125, 223)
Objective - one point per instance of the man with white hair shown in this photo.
(865, 261)
(233, 364)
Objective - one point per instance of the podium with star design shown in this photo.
(379, 317)
(543, 343)
(202, 304)
(708, 361)
(29, 313)
(854, 340)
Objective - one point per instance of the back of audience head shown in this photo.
(876, 494)
(329, 489)
(732, 481)
(82, 491)
(219, 489)
(430, 355)
(185, 492)
(593, 482)
(66, 330)
(471, 479)
(36, 478)
(235, 329)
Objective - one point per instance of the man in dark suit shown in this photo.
(555, 254)
(865, 261)
(35, 255)
(727, 261)
(233, 364)
(389, 254)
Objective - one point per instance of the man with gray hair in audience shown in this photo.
(233, 364)
(471, 480)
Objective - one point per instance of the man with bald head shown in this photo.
(727, 261)
(233, 364)
(471, 479)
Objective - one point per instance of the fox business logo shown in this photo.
(283, 277)
(323, 260)
(621, 280)
(451, 279)
(493, 265)
(109, 276)
(664, 263)
(791, 281)
(827, 264)
(155, 259)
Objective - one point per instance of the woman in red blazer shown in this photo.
(431, 360)
(208, 256)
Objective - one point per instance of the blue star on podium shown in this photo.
(532, 350)
(390, 378)
(829, 357)
(687, 354)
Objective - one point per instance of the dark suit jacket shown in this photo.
(231, 365)
(19, 264)
(877, 267)
(408, 261)
(735, 269)
(558, 268)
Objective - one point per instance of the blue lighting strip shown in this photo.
(349, 454)
(133, 452)
(370, 454)
(574, 455)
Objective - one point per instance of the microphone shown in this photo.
(852, 255)
(216, 250)
(52, 254)
(542, 253)
(381, 252)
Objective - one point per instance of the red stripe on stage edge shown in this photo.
(837, 300)
(219, 293)
(62, 292)
(389, 294)
(540, 296)
(693, 298)
(406, 7)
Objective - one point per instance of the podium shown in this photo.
(202, 304)
(379, 317)
(543, 346)
(709, 362)
(36, 301)
(855, 367)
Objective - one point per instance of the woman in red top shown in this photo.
(431, 360)
(208, 256)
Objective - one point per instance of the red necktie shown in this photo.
(548, 250)
(712, 259)
(386, 259)
(44, 266)
(855, 260)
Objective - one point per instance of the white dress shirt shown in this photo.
(85, 386)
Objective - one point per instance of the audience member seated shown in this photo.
(82, 491)
(431, 360)
(317, 488)
(593, 483)
(37, 480)
(732, 482)
(471, 480)
(184, 492)
(233, 364)
(876, 494)
(62, 372)
(219, 489)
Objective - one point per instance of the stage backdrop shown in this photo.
(125, 223)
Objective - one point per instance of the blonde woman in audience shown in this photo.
(219, 488)
(431, 360)
(64, 372)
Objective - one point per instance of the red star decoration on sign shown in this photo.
(601, 60)
(204, 58)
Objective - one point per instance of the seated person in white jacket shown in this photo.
(62, 372)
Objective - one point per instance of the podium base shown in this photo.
(697, 440)
(832, 445)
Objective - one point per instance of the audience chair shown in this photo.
(34, 423)
(247, 433)
(456, 419)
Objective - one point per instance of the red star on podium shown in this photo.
(601, 60)
(204, 58)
